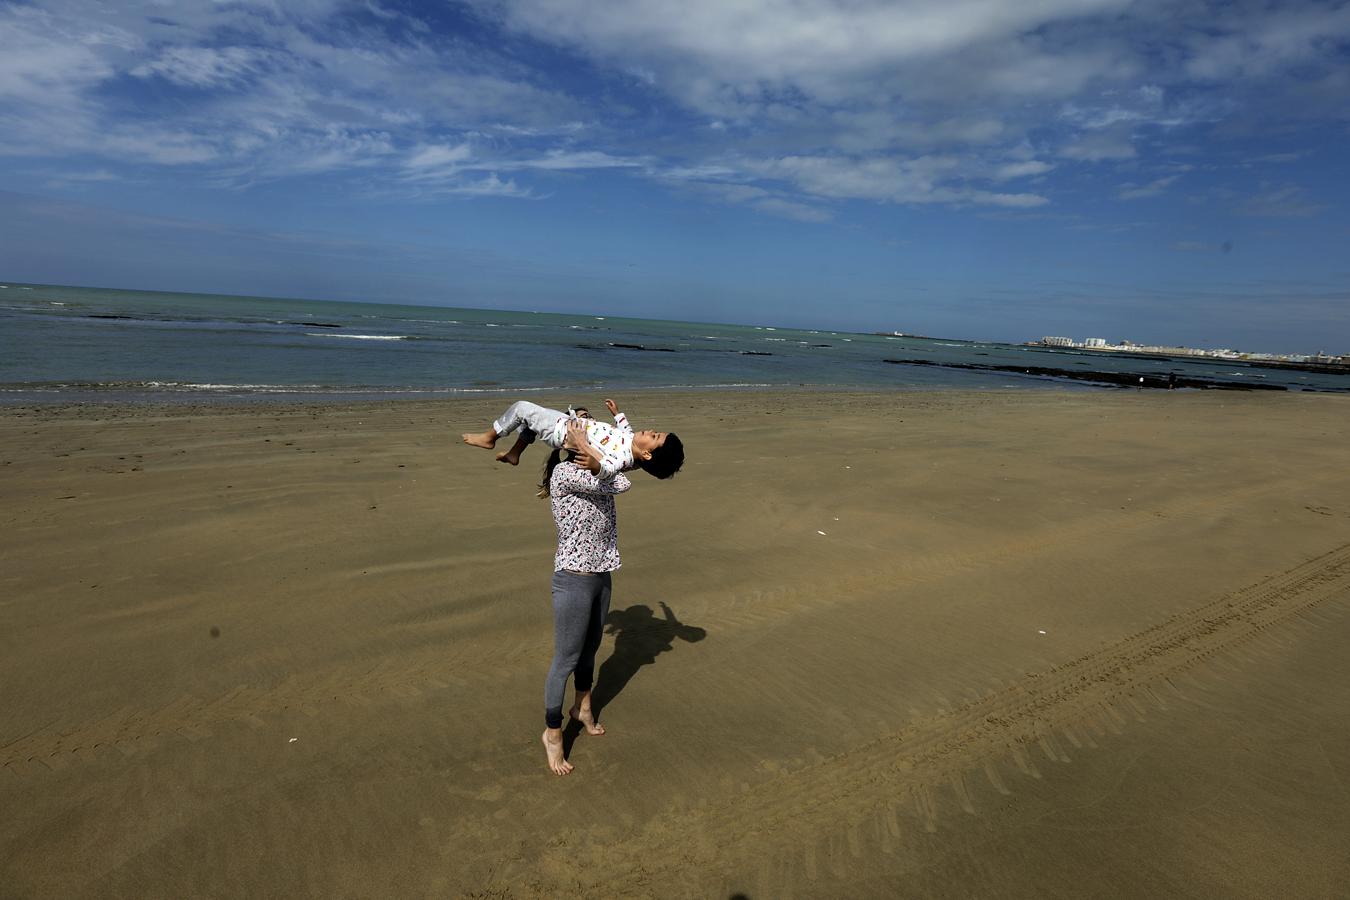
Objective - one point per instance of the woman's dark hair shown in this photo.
(666, 459)
(549, 465)
(556, 457)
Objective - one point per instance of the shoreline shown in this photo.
(112, 397)
(186, 406)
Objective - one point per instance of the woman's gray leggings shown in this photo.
(580, 605)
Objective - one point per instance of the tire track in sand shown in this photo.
(813, 823)
(752, 603)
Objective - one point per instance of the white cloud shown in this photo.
(923, 101)
(791, 209)
(880, 129)
(77, 179)
(762, 199)
(1152, 189)
(926, 179)
(876, 178)
(156, 145)
(1019, 201)
(807, 43)
(1258, 43)
(1025, 169)
(204, 66)
(43, 59)
(1096, 146)
(1282, 201)
(438, 156)
(491, 186)
(698, 173)
(446, 166)
(338, 148)
(565, 128)
(571, 159)
(305, 95)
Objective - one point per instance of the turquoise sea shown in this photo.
(63, 344)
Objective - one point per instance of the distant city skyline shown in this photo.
(1164, 170)
(1126, 345)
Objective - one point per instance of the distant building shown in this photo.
(1126, 346)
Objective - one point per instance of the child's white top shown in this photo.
(614, 442)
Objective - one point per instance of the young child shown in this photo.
(611, 448)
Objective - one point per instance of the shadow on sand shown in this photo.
(639, 637)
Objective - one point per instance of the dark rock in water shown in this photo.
(315, 324)
(822, 345)
(641, 347)
(1123, 379)
(755, 353)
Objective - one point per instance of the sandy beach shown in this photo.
(946, 644)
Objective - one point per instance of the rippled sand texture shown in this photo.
(941, 644)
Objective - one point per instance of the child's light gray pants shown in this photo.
(580, 605)
(534, 420)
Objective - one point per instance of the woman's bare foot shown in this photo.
(487, 440)
(585, 717)
(553, 746)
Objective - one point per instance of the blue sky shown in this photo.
(1158, 170)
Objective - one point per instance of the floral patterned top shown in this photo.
(583, 510)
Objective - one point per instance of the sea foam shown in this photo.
(361, 337)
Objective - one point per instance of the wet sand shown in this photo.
(939, 644)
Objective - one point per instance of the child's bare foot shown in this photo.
(512, 457)
(585, 717)
(487, 440)
(553, 746)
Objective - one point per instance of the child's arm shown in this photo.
(620, 420)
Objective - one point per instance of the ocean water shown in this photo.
(64, 344)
